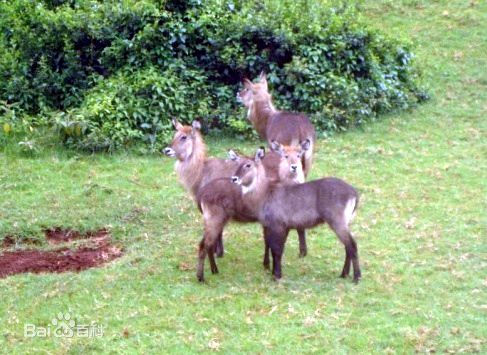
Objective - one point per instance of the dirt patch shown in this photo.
(98, 252)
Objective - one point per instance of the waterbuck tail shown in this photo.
(350, 209)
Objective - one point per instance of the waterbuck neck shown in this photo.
(255, 194)
(259, 113)
(190, 170)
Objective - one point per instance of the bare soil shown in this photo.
(97, 251)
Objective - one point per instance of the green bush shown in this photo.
(111, 74)
(133, 105)
(50, 51)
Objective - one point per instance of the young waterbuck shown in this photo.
(282, 207)
(221, 201)
(273, 125)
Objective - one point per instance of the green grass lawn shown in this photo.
(421, 231)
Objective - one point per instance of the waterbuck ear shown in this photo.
(176, 124)
(233, 156)
(196, 126)
(276, 147)
(247, 83)
(306, 144)
(259, 155)
(263, 79)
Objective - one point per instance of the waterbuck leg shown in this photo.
(211, 256)
(351, 252)
(266, 250)
(357, 274)
(215, 220)
(303, 248)
(201, 261)
(266, 262)
(277, 240)
(214, 230)
(219, 246)
(346, 265)
(276, 265)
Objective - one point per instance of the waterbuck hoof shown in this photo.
(266, 266)
(345, 273)
(356, 277)
(276, 278)
(200, 278)
(214, 271)
(303, 253)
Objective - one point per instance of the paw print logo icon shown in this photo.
(64, 325)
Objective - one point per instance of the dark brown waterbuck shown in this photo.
(221, 201)
(287, 128)
(283, 207)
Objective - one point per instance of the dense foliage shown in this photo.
(107, 73)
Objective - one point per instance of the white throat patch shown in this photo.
(249, 111)
(299, 177)
(250, 188)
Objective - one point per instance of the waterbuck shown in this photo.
(273, 125)
(283, 207)
(193, 167)
(221, 201)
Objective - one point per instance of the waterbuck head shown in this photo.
(184, 140)
(291, 166)
(254, 92)
(248, 170)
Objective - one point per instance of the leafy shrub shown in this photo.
(129, 106)
(48, 58)
(114, 73)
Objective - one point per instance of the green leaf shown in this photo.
(7, 128)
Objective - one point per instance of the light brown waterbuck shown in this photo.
(281, 208)
(221, 201)
(287, 128)
(193, 167)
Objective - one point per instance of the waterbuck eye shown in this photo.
(286, 156)
(247, 166)
(183, 138)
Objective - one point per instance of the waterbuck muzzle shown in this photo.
(169, 152)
